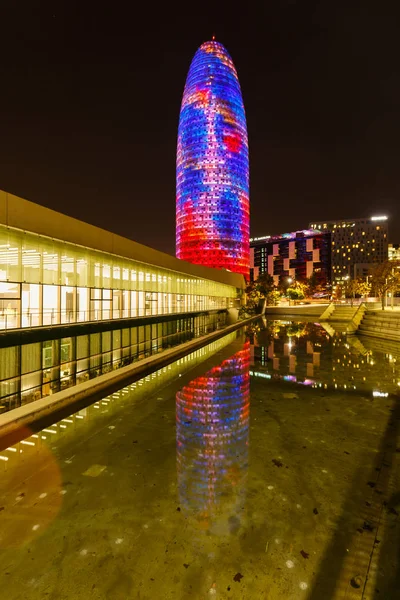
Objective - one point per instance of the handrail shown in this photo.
(358, 317)
(327, 312)
(35, 318)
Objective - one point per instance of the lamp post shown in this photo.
(346, 279)
(289, 280)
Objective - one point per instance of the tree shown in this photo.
(338, 292)
(362, 288)
(385, 277)
(312, 284)
(295, 293)
(263, 288)
(356, 287)
(265, 284)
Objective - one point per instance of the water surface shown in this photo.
(245, 470)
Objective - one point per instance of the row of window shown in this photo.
(33, 305)
(31, 371)
(31, 258)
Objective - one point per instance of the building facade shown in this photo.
(57, 270)
(212, 167)
(34, 370)
(126, 396)
(77, 301)
(357, 245)
(394, 252)
(292, 256)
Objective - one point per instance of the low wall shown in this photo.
(297, 312)
(26, 416)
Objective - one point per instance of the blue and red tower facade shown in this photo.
(212, 434)
(212, 167)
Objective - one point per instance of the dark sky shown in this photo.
(90, 96)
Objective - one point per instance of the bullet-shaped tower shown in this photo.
(212, 167)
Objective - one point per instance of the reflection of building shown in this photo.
(147, 386)
(292, 351)
(357, 244)
(212, 414)
(57, 270)
(212, 174)
(30, 371)
(297, 255)
(304, 353)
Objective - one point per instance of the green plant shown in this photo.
(295, 293)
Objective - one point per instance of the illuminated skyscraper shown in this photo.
(212, 167)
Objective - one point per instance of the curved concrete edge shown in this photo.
(26, 416)
(299, 311)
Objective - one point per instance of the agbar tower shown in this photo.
(212, 172)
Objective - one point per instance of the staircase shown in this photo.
(344, 318)
(343, 312)
(381, 324)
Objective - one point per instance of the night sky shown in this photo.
(90, 99)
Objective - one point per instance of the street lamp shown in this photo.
(289, 280)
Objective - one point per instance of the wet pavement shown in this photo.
(263, 466)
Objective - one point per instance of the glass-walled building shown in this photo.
(56, 270)
(32, 371)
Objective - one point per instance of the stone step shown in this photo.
(337, 319)
(381, 323)
(380, 333)
(376, 334)
(380, 345)
(383, 315)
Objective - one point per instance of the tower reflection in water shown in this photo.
(212, 440)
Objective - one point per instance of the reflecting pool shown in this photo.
(265, 465)
(315, 355)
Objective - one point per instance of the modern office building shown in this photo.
(296, 255)
(77, 301)
(55, 269)
(394, 252)
(357, 245)
(212, 167)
